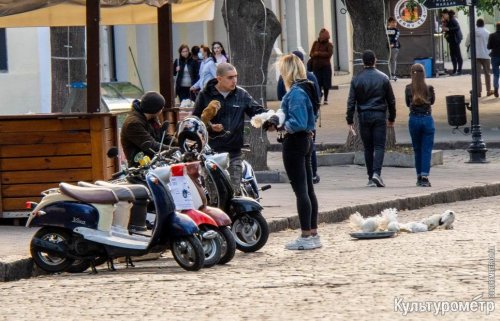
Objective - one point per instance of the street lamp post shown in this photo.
(477, 149)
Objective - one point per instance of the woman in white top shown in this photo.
(207, 69)
(220, 55)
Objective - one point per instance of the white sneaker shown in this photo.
(301, 243)
(317, 241)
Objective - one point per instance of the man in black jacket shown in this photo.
(226, 128)
(494, 46)
(371, 95)
(141, 129)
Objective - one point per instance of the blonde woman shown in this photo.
(420, 98)
(298, 122)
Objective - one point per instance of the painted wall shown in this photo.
(25, 88)
(27, 83)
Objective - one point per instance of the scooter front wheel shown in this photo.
(47, 259)
(250, 231)
(188, 252)
(228, 245)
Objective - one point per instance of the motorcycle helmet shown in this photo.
(192, 134)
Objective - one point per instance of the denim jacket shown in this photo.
(298, 110)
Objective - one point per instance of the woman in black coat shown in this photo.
(186, 70)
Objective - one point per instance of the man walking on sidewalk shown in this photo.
(371, 96)
(482, 56)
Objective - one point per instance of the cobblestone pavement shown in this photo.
(345, 280)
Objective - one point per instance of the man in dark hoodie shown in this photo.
(141, 130)
(226, 128)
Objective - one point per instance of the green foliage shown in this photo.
(487, 6)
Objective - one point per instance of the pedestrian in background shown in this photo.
(282, 91)
(371, 96)
(321, 54)
(494, 46)
(393, 34)
(185, 70)
(419, 98)
(207, 69)
(454, 36)
(299, 123)
(220, 55)
(482, 57)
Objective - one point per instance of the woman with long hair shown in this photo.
(186, 70)
(420, 98)
(454, 36)
(298, 121)
(220, 55)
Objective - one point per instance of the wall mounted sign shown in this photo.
(410, 13)
(436, 4)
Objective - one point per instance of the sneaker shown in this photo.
(495, 92)
(316, 179)
(425, 182)
(371, 183)
(419, 180)
(301, 243)
(325, 102)
(317, 241)
(378, 180)
(489, 93)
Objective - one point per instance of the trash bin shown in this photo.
(455, 108)
(427, 63)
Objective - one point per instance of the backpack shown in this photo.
(308, 87)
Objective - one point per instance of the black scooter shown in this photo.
(249, 227)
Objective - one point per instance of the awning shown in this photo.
(53, 13)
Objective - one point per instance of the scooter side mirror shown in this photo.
(112, 152)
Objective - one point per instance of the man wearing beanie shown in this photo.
(141, 129)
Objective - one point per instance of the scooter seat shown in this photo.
(122, 192)
(99, 195)
(140, 192)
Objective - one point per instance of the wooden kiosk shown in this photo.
(39, 151)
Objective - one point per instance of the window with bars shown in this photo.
(3, 51)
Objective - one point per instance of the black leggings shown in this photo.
(297, 160)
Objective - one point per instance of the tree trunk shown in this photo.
(68, 65)
(369, 32)
(252, 30)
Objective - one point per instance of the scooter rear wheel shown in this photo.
(188, 252)
(47, 261)
(250, 231)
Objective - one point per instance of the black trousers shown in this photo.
(373, 127)
(456, 57)
(297, 150)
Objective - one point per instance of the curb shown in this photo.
(409, 203)
(277, 147)
(24, 268)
